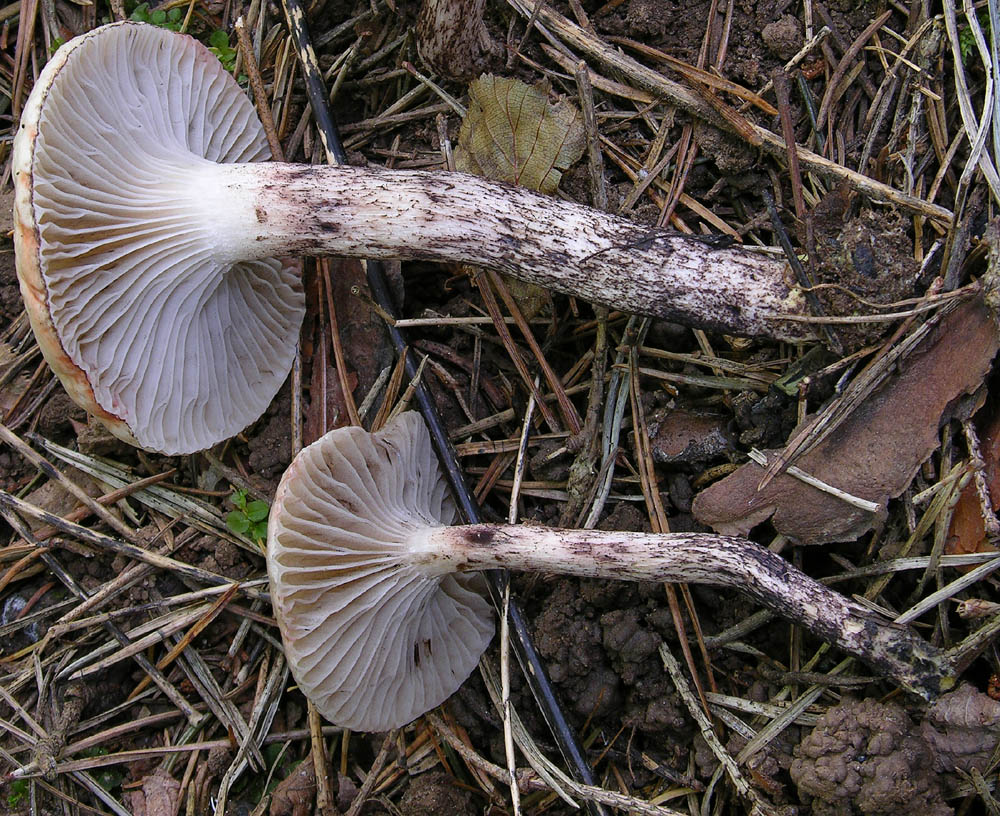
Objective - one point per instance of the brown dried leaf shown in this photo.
(158, 797)
(967, 533)
(513, 133)
(296, 793)
(365, 339)
(325, 415)
(875, 452)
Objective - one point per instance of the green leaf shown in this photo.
(219, 39)
(513, 133)
(141, 13)
(259, 531)
(18, 790)
(239, 498)
(158, 17)
(257, 510)
(238, 522)
(175, 15)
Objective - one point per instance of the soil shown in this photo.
(599, 640)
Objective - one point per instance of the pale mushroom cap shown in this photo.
(372, 639)
(173, 350)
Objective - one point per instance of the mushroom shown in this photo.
(140, 310)
(147, 230)
(380, 615)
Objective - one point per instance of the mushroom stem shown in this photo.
(700, 558)
(261, 210)
(453, 39)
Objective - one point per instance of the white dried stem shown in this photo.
(697, 558)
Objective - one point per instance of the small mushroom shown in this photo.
(381, 621)
(147, 228)
(374, 636)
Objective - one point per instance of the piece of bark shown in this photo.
(683, 437)
(875, 452)
(363, 335)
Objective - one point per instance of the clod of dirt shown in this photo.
(962, 730)
(6, 212)
(55, 420)
(10, 295)
(783, 37)
(432, 794)
(647, 18)
(763, 421)
(96, 440)
(869, 257)
(57, 500)
(875, 452)
(866, 757)
(570, 642)
(271, 447)
(622, 633)
(767, 768)
(550, 462)
(626, 517)
(225, 559)
(730, 155)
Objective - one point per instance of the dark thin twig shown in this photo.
(780, 81)
(801, 275)
(534, 671)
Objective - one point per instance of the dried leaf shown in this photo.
(325, 415)
(875, 452)
(967, 533)
(159, 795)
(365, 339)
(296, 793)
(513, 133)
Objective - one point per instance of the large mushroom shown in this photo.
(149, 323)
(372, 586)
(147, 228)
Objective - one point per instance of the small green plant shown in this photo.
(172, 19)
(249, 518)
(108, 777)
(218, 44)
(967, 40)
(18, 791)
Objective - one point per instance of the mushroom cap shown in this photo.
(372, 638)
(172, 350)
